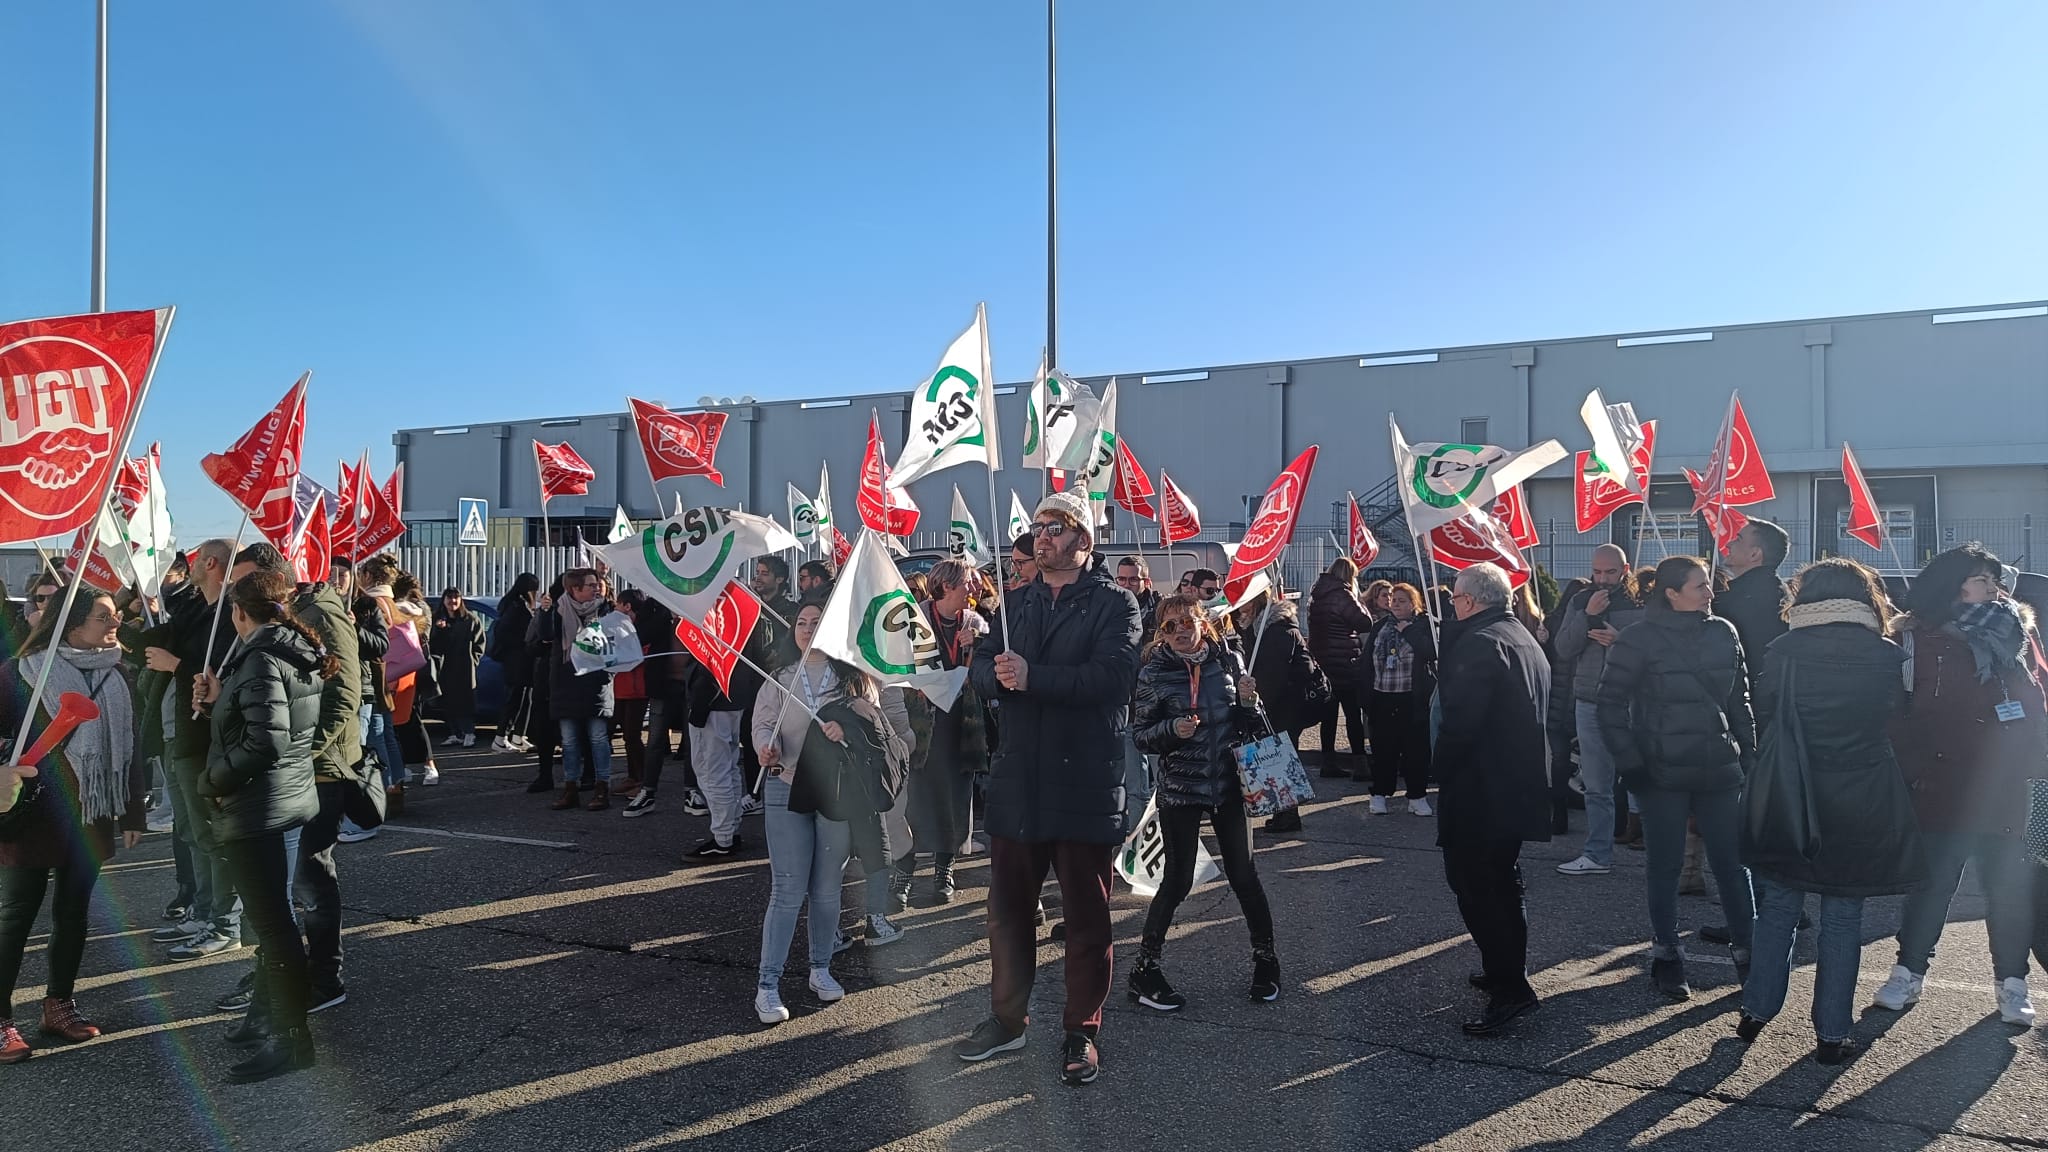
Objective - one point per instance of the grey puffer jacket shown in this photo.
(1674, 704)
(1199, 771)
(1590, 659)
(259, 770)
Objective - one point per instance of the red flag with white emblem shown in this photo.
(677, 444)
(1597, 495)
(562, 471)
(1179, 518)
(260, 471)
(1735, 476)
(1133, 489)
(887, 510)
(1478, 538)
(1273, 525)
(1365, 547)
(1863, 518)
(716, 643)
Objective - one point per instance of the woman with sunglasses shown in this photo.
(1193, 697)
(90, 797)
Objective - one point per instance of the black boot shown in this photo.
(254, 1026)
(1560, 818)
(1265, 973)
(942, 879)
(288, 1051)
(1669, 976)
(1148, 986)
(904, 870)
(1285, 820)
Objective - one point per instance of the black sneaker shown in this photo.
(539, 787)
(640, 805)
(1265, 975)
(1836, 1052)
(711, 849)
(238, 999)
(1080, 1063)
(325, 996)
(1669, 976)
(992, 1038)
(1149, 987)
(176, 911)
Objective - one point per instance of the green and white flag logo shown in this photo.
(1101, 467)
(622, 525)
(873, 623)
(803, 518)
(1020, 520)
(1440, 483)
(685, 561)
(952, 414)
(963, 535)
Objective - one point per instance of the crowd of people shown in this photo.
(1824, 739)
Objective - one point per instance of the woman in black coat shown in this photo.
(1192, 700)
(507, 646)
(1674, 707)
(1338, 627)
(1296, 689)
(458, 643)
(1837, 677)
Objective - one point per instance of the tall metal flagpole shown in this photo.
(1052, 191)
(99, 169)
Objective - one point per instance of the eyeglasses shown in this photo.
(1130, 581)
(103, 618)
(1051, 530)
(1178, 624)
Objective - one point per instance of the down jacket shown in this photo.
(1674, 703)
(1967, 770)
(1338, 630)
(1845, 684)
(1058, 770)
(1199, 771)
(259, 770)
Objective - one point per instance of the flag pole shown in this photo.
(99, 167)
(995, 517)
(220, 605)
(127, 436)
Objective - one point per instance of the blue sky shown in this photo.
(460, 210)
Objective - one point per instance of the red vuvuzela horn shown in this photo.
(73, 709)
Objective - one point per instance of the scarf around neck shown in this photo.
(573, 617)
(99, 751)
(1996, 635)
(1833, 612)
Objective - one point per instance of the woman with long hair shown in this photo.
(1836, 676)
(508, 648)
(259, 773)
(459, 645)
(1403, 677)
(952, 746)
(1193, 699)
(1339, 625)
(807, 852)
(1975, 728)
(413, 693)
(1674, 709)
(90, 797)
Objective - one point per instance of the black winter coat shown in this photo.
(1199, 771)
(570, 697)
(1846, 687)
(1674, 703)
(1755, 603)
(188, 620)
(1492, 758)
(507, 643)
(259, 770)
(1058, 771)
(1292, 689)
(1339, 629)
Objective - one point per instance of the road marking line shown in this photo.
(559, 844)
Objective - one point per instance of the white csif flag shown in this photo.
(1440, 483)
(1020, 520)
(873, 623)
(1616, 436)
(803, 518)
(686, 560)
(953, 413)
(1101, 467)
(963, 535)
(622, 525)
(823, 507)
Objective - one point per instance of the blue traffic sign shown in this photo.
(473, 521)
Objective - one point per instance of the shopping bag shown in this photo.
(609, 643)
(1271, 773)
(1142, 860)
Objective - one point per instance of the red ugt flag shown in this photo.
(348, 511)
(312, 551)
(1723, 523)
(1596, 495)
(1365, 547)
(1181, 520)
(1132, 488)
(68, 389)
(678, 445)
(1863, 519)
(1736, 476)
(562, 471)
(1273, 525)
(260, 471)
(381, 526)
(716, 643)
(887, 510)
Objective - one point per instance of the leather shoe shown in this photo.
(538, 787)
(284, 1052)
(1716, 934)
(566, 800)
(1478, 980)
(1499, 1014)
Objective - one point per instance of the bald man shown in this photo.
(1592, 623)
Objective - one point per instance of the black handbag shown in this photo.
(1782, 819)
(362, 795)
(823, 769)
(16, 821)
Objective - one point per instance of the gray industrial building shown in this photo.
(1947, 411)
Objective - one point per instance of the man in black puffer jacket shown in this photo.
(1056, 787)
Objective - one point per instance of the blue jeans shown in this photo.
(1834, 977)
(596, 733)
(214, 897)
(1596, 772)
(1719, 816)
(2004, 873)
(806, 855)
(380, 736)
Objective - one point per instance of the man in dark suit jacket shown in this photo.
(1493, 782)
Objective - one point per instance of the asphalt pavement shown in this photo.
(526, 979)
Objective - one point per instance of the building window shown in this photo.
(430, 534)
(1668, 530)
(1472, 430)
(1895, 523)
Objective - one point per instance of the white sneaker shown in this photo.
(469, 741)
(881, 932)
(2013, 1005)
(1379, 805)
(1584, 866)
(163, 823)
(356, 835)
(750, 806)
(1420, 807)
(432, 777)
(521, 744)
(500, 744)
(1903, 989)
(826, 988)
(451, 742)
(694, 805)
(768, 1006)
(640, 805)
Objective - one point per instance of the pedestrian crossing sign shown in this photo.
(475, 516)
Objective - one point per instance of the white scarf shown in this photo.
(1833, 612)
(99, 751)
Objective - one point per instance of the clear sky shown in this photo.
(461, 210)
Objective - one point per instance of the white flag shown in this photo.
(1020, 520)
(1101, 467)
(685, 561)
(1616, 436)
(149, 534)
(622, 526)
(873, 623)
(1440, 483)
(963, 535)
(803, 518)
(1048, 392)
(823, 507)
(953, 413)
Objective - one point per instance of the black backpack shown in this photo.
(844, 781)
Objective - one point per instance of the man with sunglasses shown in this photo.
(1055, 793)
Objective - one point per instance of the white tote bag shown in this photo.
(1142, 859)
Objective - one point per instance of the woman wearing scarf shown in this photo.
(951, 746)
(1974, 729)
(582, 705)
(459, 645)
(412, 693)
(1193, 696)
(1403, 679)
(380, 734)
(1837, 677)
(92, 788)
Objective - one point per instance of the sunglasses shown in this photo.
(1051, 531)
(1178, 624)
